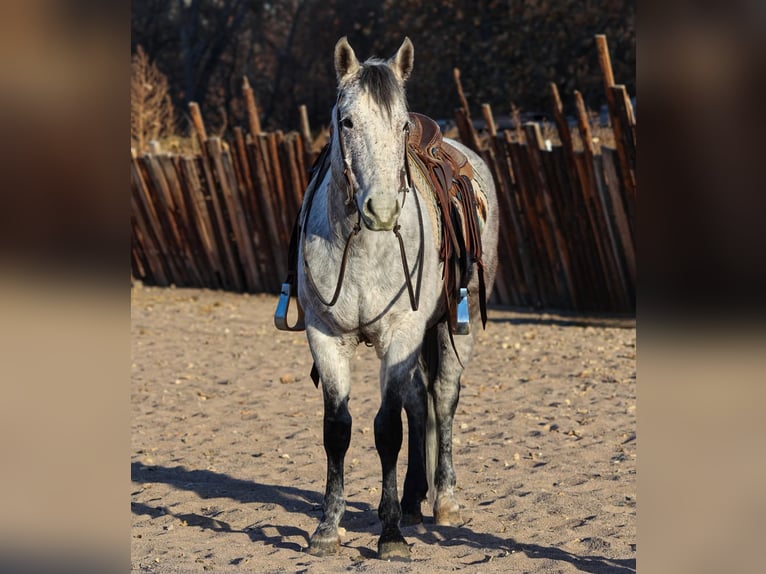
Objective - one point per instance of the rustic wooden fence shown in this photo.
(222, 218)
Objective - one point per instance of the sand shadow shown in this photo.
(464, 536)
(565, 319)
(360, 517)
(209, 484)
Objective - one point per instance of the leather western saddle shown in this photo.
(461, 214)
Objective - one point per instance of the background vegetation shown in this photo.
(507, 51)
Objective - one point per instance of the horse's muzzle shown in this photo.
(377, 216)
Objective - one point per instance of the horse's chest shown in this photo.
(373, 294)
(378, 280)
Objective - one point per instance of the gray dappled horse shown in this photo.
(368, 215)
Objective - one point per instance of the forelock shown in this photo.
(378, 79)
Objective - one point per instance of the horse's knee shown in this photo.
(446, 396)
(388, 430)
(415, 396)
(337, 426)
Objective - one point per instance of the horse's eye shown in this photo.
(406, 126)
(347, 123)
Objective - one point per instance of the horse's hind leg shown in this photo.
(446, 392)
(415, 482)
(332, 359)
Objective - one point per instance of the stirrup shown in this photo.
(463, 323)
(280, 315)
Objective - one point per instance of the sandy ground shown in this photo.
(227, 464)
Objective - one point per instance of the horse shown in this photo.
(370, 227)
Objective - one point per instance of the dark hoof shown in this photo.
(410, 519)
(324, 545)
(397, 550)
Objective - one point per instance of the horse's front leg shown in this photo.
(397, 373)
(332, 356)
(415, 481)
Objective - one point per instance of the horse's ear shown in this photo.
(403, 60)
(345, 59)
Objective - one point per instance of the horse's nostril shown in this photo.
(368, 208)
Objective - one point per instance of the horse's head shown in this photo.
(371, 121)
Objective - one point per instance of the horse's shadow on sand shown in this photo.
(359, 517)
(564, 319)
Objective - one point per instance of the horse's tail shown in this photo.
(432, 447)
(430, 367)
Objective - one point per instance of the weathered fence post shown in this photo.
(463, 116)
(617, 120)
(253, 119)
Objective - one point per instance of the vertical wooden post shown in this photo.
(568, 151)
(153, 241)
(291, 175)
(199, 125)
(618, 126)
(266, 196)
(624, 111)
(244, 189)
(229, 187)
(561, 123)
(504, 291)
(591, 196)
(278, 181)
(304, 121)
(583, 125)
(511, 201)
(486, 111)
(605, 62)
(516, 116)
(514, 277)
(542, 286)
(169, 219)
(308, 154)
(459, 86)
(556, 240)
(253, 119)
(463, 117)
(181, 216)
(230, 275)
(622, 237)
(194, 198)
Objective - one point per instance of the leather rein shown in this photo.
(414, 294)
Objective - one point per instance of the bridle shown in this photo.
(405, 188)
